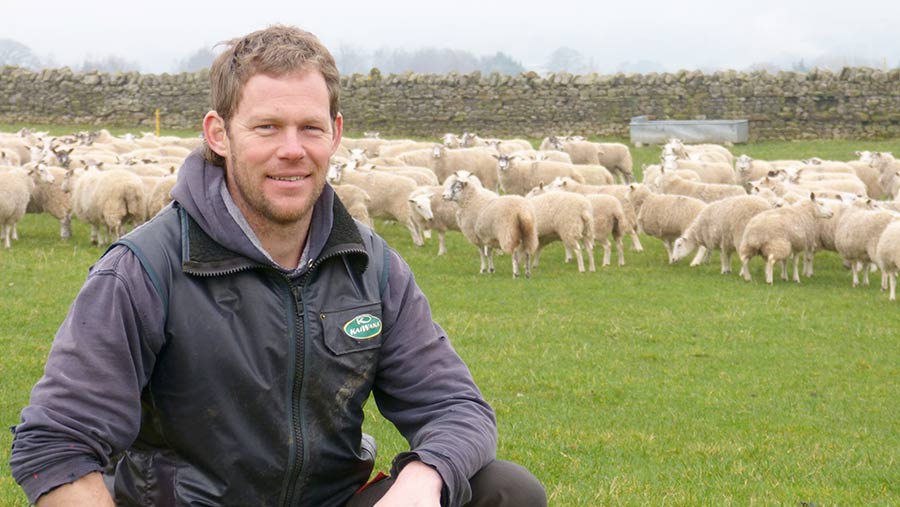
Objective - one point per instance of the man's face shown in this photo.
(279, 142)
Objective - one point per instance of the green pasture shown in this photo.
(648, 384)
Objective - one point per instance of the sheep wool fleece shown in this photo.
(227, 380)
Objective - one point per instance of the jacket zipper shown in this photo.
(296, 423)
(299, 358)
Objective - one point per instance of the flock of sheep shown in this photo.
(504, 194)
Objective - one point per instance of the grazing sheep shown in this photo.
(16, 187)
(609, 220)
(616, 157)
(356, 200)
(490, 221)
(369, 145)
(671, 183)
(887, 256)
(434, 213)
(107, 200)
(620, 192)
(698, 151)
(49, 197)
(566, 217)
(479, 161)
(159, 196)
(398, 148)
(889, 168)
(388, 193)
(720, 225)
(778, 233)
(595, 174)
(509, 146)
(709, 172)
(421, 175)
(856, 238)
(666, 217)
(519, 177)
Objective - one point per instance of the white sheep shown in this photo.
(856, 238)
(434, 213)
(388, 193)
(160, 195)
(49, 197)
(356, 200)
(709, 152)
(666, 216)
(887, 256)
(491, 221)
(479, 161)
(709, 172)
(620, 192)
(595, 174)
(672, 183)
(107, 200)
(778, 233)
(423, 176)
(566, 217)
(720, 225)
(520, 176)
(16, 186)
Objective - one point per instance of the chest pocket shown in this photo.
(353, 330)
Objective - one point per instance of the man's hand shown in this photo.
(417, 485)
(88, 491)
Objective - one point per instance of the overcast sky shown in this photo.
(687, 34)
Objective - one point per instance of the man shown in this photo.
(226, 348)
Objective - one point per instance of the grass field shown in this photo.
(647, 384)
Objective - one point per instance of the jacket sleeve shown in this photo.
(424, 388)
(87, 405)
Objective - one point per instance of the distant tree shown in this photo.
(799, 66)
(351, 60)
(769, 67)
(15, 53)
(110, 63)
(500, 63)
(566, 59)
(200, 59)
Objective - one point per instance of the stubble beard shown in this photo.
(257, 201)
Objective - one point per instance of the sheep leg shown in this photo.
(490, 257)
(893, 282)
(865, 269)
(770, 269)
(724, 261)
(528, 260)
(15, 232)
(65, 227)
(589, 251)
(635, 241)
(884, 280)
(4, 233)
(415, 233)
(854, 268)
(515, 263)
(700, 257)
(784, 275)
(482, 255)
(607, 252)
(537, 257)
(620, 251)
(442, 247)
(577, 248)
(797, 267)
(569, 255)
(745, 268)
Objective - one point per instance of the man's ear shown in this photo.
(214, 132)
(338, 133)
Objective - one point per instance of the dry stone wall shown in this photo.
(855, 103)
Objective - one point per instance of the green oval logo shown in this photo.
(363, 327)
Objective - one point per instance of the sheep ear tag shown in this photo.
(363, 327)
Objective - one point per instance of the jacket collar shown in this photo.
(203, 256)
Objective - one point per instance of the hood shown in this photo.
(199, 189)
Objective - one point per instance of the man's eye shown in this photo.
(265, 127)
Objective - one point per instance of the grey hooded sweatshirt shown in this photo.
(216, 377)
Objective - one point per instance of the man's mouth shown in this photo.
(287, 178)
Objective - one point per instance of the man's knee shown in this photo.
(502, 483)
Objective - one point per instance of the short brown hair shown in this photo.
(276, 51)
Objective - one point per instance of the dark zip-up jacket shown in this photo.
(226, 380)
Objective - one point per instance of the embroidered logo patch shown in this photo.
(363, 327)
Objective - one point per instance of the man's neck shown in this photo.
(283, 244)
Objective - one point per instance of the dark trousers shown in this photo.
(498, 484)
